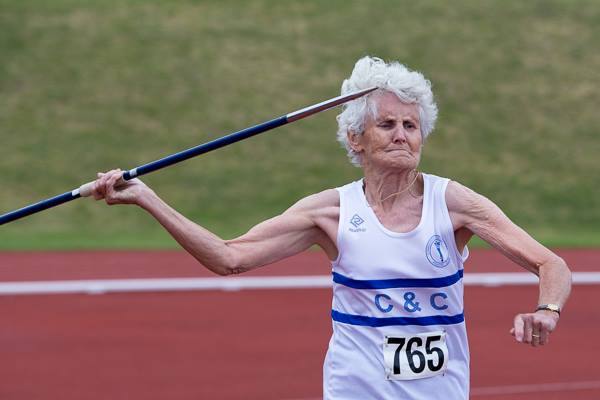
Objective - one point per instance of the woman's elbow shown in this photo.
(566, 270)
(227, 265)
(560, 270)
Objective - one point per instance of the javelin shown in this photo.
(86, 189)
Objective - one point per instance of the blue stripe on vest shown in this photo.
(391, 321)
(398, 283)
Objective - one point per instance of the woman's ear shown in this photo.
(354, 141)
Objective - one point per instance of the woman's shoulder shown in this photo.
(328, 197)
(468, 205)
(458, 196)
(318, 201)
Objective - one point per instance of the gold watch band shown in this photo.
(549, 307)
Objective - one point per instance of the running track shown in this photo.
(252, 344)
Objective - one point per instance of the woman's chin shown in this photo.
(401, 163)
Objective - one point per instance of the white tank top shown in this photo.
(398, 322)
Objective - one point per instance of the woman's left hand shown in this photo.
(534, 328)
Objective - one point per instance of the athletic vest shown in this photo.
(397, 311)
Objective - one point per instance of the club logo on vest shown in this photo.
(356, 221)
(437, 252)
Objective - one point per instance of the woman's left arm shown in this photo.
(482, 217)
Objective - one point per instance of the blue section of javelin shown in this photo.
(396, 321)
(37, 207)
(398, 283)
(206, 147)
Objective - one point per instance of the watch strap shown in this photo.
(549, 307)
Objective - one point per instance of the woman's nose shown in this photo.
(399, 136)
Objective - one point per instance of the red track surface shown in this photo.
(37, 266)
(259, 344)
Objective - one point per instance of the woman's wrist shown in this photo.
(146, 199)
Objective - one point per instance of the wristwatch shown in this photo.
(549, 307)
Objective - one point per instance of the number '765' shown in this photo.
(416, 359)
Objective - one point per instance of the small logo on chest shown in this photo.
(357, 221)
(437, 252)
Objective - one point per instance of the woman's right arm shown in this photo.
(287, 234)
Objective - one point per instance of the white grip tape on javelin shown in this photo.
(85, 190)
(133, 172)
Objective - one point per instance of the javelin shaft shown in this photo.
(85, 190)
(204, 148)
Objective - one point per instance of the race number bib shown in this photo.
(416, 356)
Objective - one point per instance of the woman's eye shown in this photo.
(408, 125)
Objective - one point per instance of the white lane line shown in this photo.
(244, 283)
(523, 278)
(535, 388)
(168, 284)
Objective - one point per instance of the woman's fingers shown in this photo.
(518, 329)
(536, 333)
(544, 334)
(523, 328)
(101, 184)
(533, 328)
(110, 187)
(111, 192)
(527, 330)
(99, 189)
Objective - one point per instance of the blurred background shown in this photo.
(87, 86)
(91, 85)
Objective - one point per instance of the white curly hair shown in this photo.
(411, 87)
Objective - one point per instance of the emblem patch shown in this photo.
(437, 252)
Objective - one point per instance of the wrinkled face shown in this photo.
(393, 139)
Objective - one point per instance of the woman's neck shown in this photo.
(382, 190)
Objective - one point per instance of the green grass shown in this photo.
(92, 85)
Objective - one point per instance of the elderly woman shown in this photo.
(397, 242)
